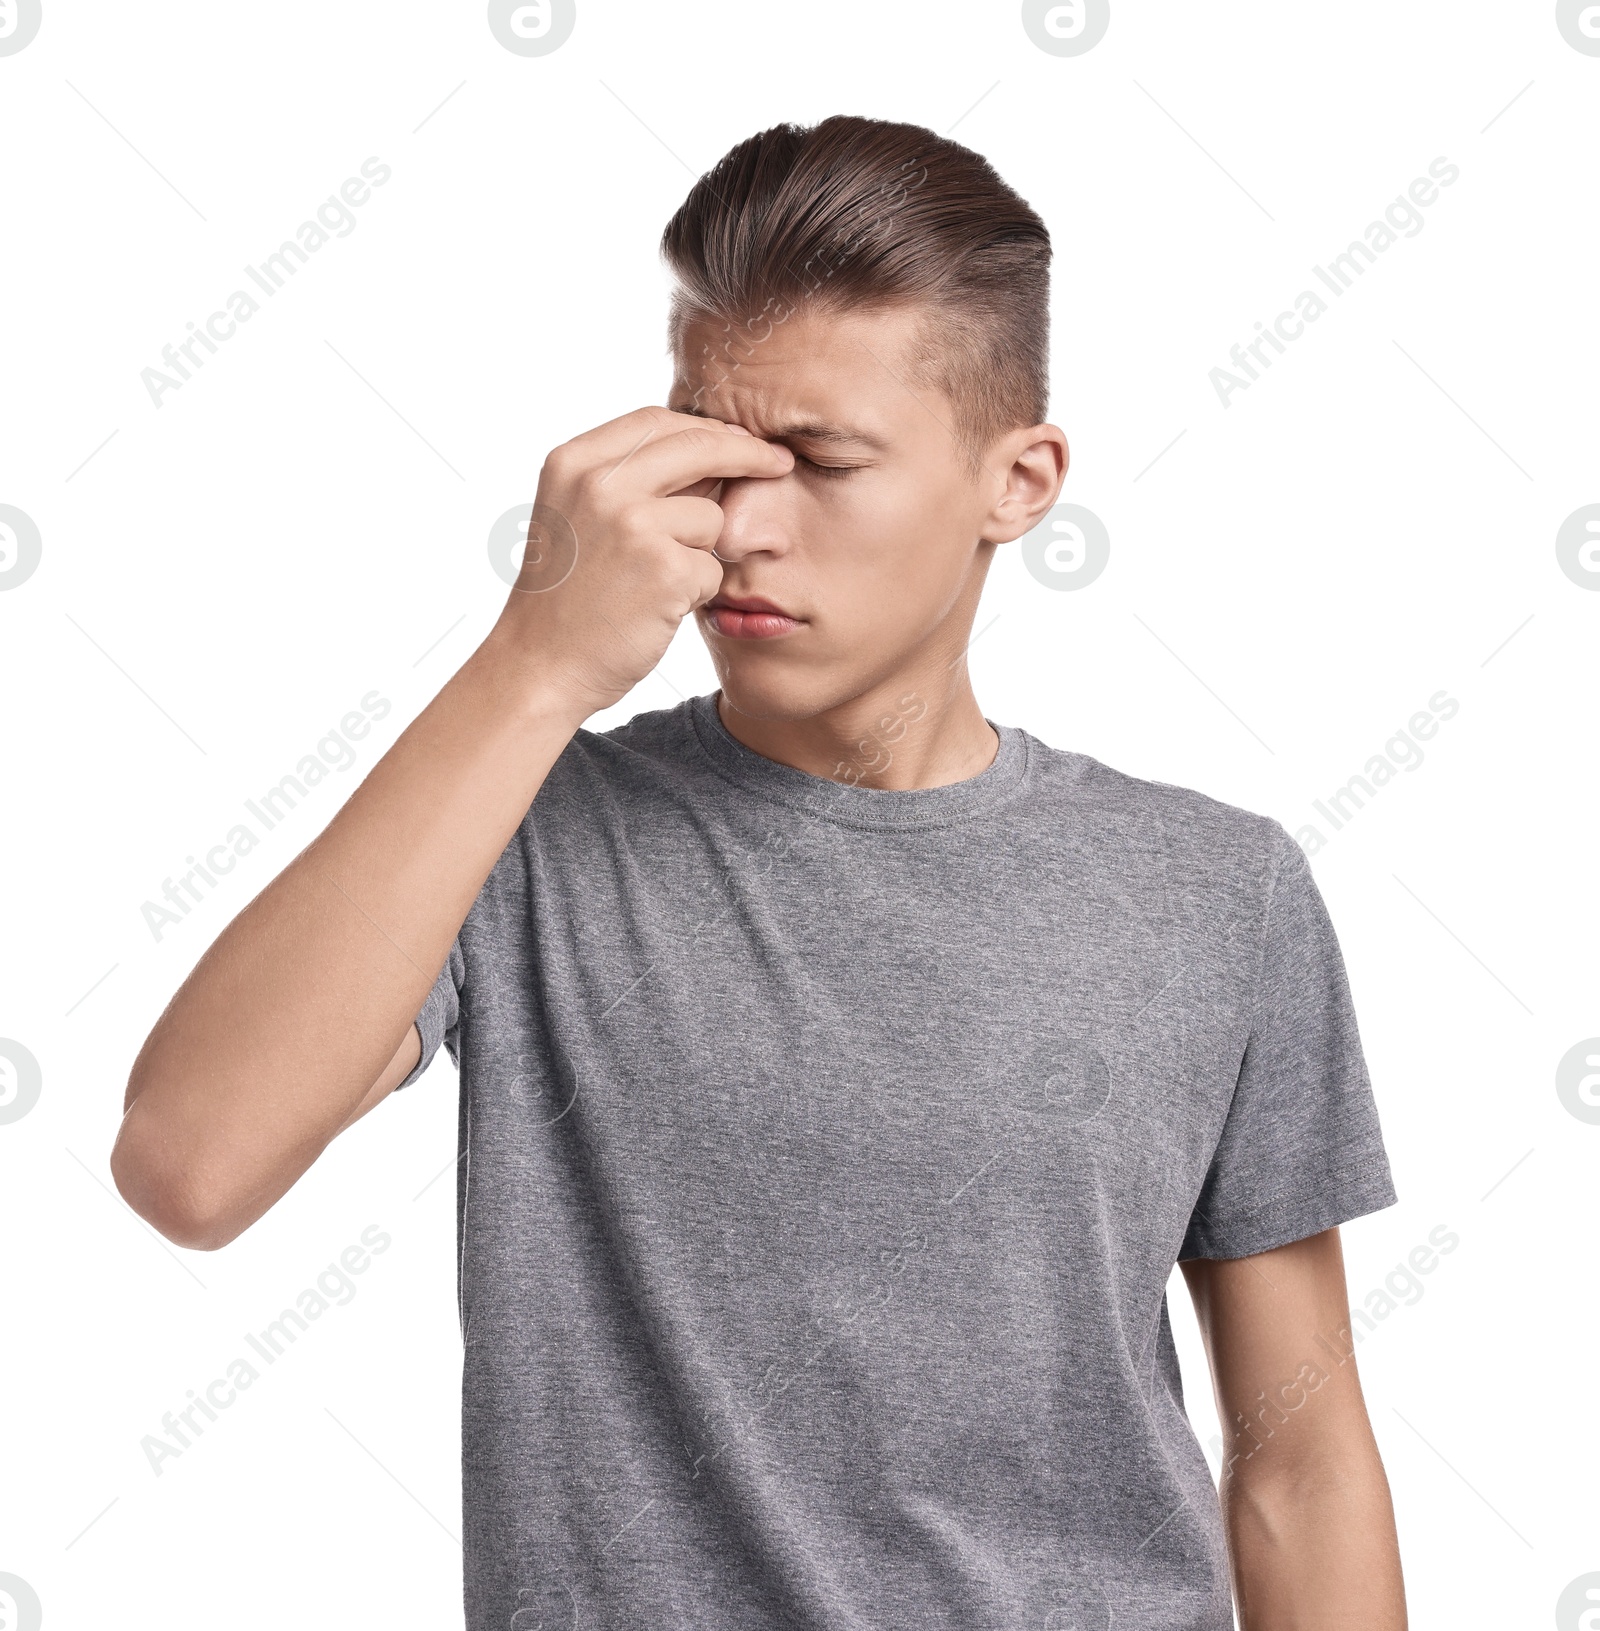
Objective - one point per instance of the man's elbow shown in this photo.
(171, 1190)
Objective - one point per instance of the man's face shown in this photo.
(871, 544)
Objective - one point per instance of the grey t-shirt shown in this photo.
(827, 1151)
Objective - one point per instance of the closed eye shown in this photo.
(832, 471)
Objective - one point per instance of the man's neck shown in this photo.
(909, 732)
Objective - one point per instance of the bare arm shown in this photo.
(301, 1015)
(1305, 1501)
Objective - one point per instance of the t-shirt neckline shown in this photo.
(877, 808)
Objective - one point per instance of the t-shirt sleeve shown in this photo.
(1301, 1149)
(440, 1018)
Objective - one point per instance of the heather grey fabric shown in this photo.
(827, 1152)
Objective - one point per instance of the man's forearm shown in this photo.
(1314, 1547)
(1309, 1521)
(300, 1011)
(292, 1014)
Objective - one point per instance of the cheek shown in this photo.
(872, 528)
(916, 543)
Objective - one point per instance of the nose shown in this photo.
(753, 517)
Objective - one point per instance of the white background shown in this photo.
(1296, 575)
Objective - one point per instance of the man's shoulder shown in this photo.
(1189, 825)
(605, 779)
(637, 750)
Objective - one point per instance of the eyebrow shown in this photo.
(815, 431)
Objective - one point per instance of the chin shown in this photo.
(782, 691)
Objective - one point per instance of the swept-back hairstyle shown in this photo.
(863, 214)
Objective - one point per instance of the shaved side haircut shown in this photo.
(866, 215)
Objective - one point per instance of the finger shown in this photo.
(710, 486)
(705, 580)
(696, 523)
(688, 456)
(618, 438)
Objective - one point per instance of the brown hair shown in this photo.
(860, 214)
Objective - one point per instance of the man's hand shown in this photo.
(300, 1017)
(620, 549)
(1309, 1520)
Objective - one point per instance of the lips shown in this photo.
(749, 617)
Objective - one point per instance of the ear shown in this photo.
(1033, 463)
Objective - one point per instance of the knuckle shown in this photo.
(701, 440)
(584, 481)
(634, 521)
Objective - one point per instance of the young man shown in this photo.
(841, 1074)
